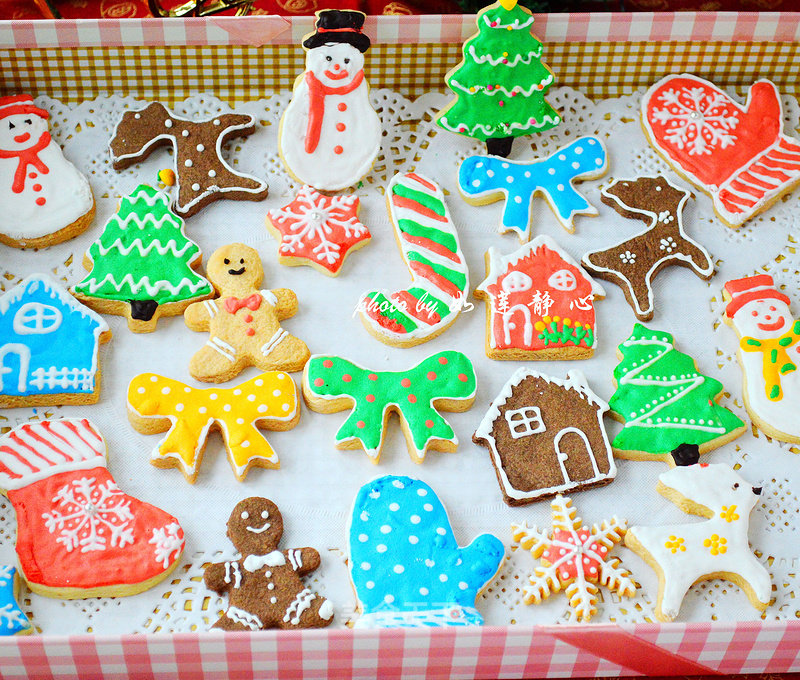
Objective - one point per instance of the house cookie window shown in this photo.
(525, 421)
(34, 318)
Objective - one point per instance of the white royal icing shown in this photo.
(358, 132)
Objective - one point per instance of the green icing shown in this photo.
(560, 333)
(501, 83)
(425, 297)
(416, 229)
(387, 309)
(662, 398)
(458, 279)
(446, 375)
(143, 254)
(430, 202)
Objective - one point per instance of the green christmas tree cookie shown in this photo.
(142, 266)
(664, 402)
(501, 82)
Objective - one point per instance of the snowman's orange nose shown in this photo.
(24, 137)
(336, 67)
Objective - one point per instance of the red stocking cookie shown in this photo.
(264, 587)
(78, 534)
(202, 175)
(244, 322)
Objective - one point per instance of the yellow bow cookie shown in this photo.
(157, 404)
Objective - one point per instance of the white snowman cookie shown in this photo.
(329, 134)
(44, 199)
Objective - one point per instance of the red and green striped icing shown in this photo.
(430, 247)
(412, 393)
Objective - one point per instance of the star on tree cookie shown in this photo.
(574, 558)
(318, 230)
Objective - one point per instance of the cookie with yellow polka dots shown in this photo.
(266, 402)
(685, 553)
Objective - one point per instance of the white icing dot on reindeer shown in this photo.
(684, 554)
(244, 321)
(264, 587)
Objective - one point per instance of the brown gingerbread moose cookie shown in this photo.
(264, 587)
(243, 322)
(202, 175)
(633, 263)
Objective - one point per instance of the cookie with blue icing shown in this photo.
(12, 619)
(405, 564)
(486, 179)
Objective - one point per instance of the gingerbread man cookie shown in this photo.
(264, 587)
(202, 175)
(244, 322)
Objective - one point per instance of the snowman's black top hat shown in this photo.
(338, 26)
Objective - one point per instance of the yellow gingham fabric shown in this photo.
(237, 73)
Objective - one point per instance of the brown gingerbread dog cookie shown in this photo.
(243, 322)
(202, 174)
(264, 587)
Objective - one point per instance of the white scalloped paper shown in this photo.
(316, 484)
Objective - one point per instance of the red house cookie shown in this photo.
(540, 304)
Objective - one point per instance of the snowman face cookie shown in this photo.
(335, 64)
(44, 199)
(764, 318)
(235, 266)
(21, 131)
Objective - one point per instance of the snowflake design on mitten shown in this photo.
(697, 119)
(574, 558)
(319, 228)
(90, 515)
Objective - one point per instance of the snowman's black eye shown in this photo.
(329, 58)
(28, 121)
(346, 61)
(227, 261)
(736, 486)
(11, 126)
(241, 261)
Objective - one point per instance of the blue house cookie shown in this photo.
(48, 346)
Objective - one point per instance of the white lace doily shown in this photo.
(316, 483)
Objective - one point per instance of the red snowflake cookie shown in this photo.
(318, 230)
(574, 558)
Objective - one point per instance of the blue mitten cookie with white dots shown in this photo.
(405, 564)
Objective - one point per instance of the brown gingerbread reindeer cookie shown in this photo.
(243, 322)
(632, 264)
(202, 175)
(264, 586)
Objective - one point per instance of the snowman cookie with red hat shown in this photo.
(44, 198)
(769, 353)
(330, 135)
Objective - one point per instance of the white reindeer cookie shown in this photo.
(329, 134)
(683, 554)
(244, 321)
(768, 353)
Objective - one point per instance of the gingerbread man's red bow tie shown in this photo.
(234, 304)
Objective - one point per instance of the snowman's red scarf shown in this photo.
(27, 157)
(317, 92)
